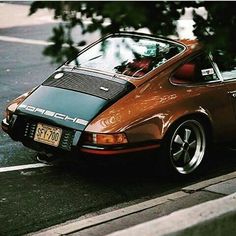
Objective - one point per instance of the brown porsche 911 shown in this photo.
(126, 93)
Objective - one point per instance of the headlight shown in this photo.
(104, 139)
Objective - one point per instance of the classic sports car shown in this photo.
(130, 92)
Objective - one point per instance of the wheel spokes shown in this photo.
(187, 157)
(184, 142)
(178, 154)
(187, 133)
(187, 146)
(193, 144)
(178, 140)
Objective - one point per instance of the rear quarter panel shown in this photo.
(151, 109)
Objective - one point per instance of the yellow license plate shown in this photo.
(48, 134)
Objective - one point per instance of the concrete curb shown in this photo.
(203, 210)
(209, 182)
(215, 217)
(78, 225)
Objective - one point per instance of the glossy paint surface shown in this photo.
(156, 104)
(62, 107)
(147, 112)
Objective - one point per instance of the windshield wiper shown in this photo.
(93, 58)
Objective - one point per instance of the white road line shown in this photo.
(25, 41)
(22, 167)
(32, 41)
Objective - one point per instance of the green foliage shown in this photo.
(217, 31)
(62, 47)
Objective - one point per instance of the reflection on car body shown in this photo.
(127, 93)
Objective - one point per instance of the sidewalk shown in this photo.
(215, 217)
(21, 18)
(205, 208)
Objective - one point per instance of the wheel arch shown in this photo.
(166, 157)
(199, 116)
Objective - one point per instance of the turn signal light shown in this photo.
(105, 139)
(8, 115)
(13, 105)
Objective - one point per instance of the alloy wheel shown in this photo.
(187, 146)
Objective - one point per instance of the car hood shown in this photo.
(72, 100)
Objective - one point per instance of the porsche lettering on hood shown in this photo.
(73, 99)
(53, 114)
(62, 107)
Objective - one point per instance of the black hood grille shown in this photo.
(103, 87)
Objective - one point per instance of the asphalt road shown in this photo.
(33, 199)
(22, 67)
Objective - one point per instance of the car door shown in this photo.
(228, 74)
(210, 93)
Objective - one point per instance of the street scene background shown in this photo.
(33, 199)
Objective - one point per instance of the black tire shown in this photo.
(184, 148)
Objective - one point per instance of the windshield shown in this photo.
(128, 55)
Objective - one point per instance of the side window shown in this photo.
(227, 66)
(199, 70)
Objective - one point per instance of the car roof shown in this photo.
(190, 44)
